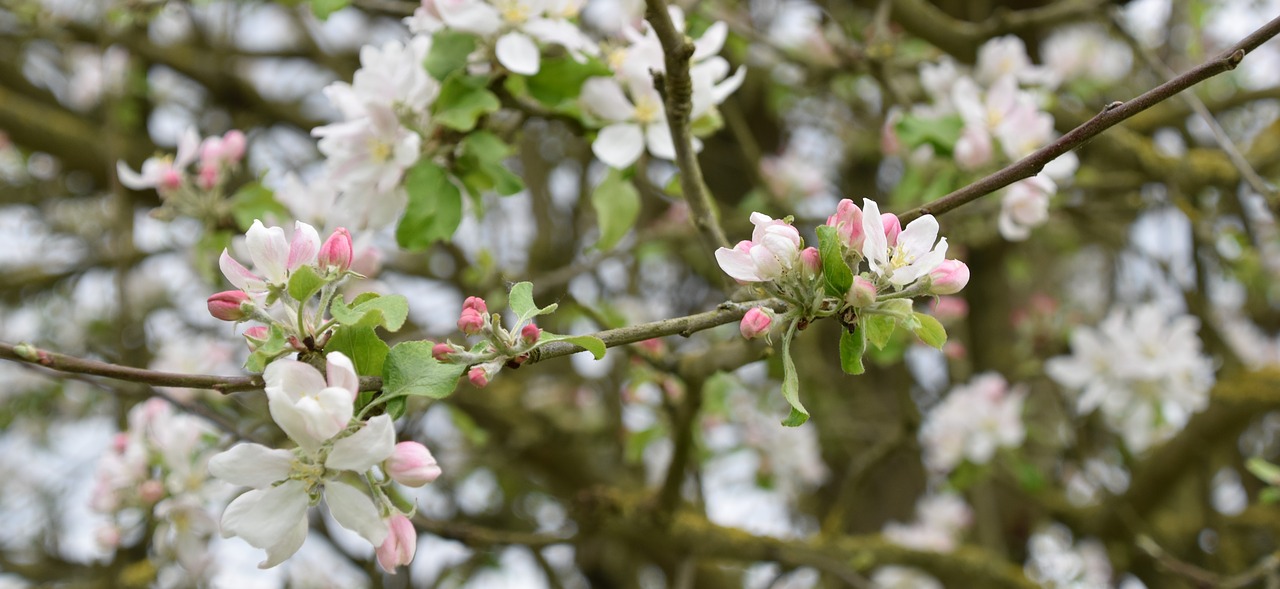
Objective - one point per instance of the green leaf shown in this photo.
(941, 133)
(879, 328)
(323, 8)
(449, 52)
(617, 204)
(929, 330)
(254, 201)
(410, 370)
(791, 383)
(480, 165)
(852, 345)
(362, 345)
(304, 283)
(275, 346)
(434, 209)
(386, 311)
(1268, 472)
(589, 343)
(560, 79)
(463, 100)
(521, 302)
(1269, 496)
(836, 275)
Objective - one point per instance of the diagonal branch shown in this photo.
(1110, 116)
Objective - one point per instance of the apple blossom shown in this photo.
(309, 407)
(949, 277)
(755, 323)
(1025, 205)
(274, 256)
(368, 153)
(972, 422)
(940, 521)
(443, 351)
(335, 254)
(479, 376)
(163, 173)
(471, 321)
(892, 228)
(256, 336)
(412, 465)
(401, 544)
(913, 253)
(811, 260)
(517, 25)
(229, 305)
(861, 293)
(848, 223)
(530, 333)
(773, 250)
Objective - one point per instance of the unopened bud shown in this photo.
(170, 180)
(412, 465)
(336, 252)
(755, 323)
(208, 177)
(151, 491)
(442, 352)
(861, 293)
(229, 305)
(478, 376)
(255, 336)
(892, 227)
(949, 277)
(401, 544)
(233, 145)
(811, 260)
(530, 333)
(476, 303)
(471, 321)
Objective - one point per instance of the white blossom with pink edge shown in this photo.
(311, 408)
(163, 173)
(774, 249)
(913, 254)
(274, 256)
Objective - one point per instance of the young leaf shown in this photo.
(449, 52)
(365, 349)
(791, 383)
(617, 204)
(559, 79)
(434, 209)
(521, 302)
(929, 330)
(304, 282)
(1268, 472)
(323, 8)
(589, 343)
(273, 348)
(852, 345)
(463, 100)
(386, 311)
(410, 370)
(836, 275)
(480, 166)
(879, 328)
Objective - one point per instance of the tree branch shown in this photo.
(1110, 116)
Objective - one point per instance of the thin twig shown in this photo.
(1110, 116)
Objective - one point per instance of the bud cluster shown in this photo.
(216, 159)
(500, 347)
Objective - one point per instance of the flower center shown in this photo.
(379, 151)
(514, 12)
(900, 257)
(646, 110)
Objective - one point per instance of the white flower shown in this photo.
(940, 520)
(972, 422)
(517, 24)
(1053, 561)
(163, 173)
(1007, 56)
(914, 253)
(369, 153)
(1086, 51)
(391, 75)
(273, 516)
(773, 249)
(309, 409)
(633, 125)
(1025, 205)
(274, 256)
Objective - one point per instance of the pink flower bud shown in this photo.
(442, 352)
(892, 227)
(208, 178)
(256, 336)
(412, 465)
(811, 260)
(228, 305)
(170, 180)
(401, 544)
(848, 224)
(949, 277)
(233, 145)
(861, 293)
(530, 333)
(120, 442)
(336, 252)
(755, 323)
(108, 537)
(151, 491)
(211, 152)
(476, 303)
(478, 376)
(471, 321)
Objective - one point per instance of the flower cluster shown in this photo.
(1142, 368)
(629, 103)
(156, 469)
(349, 463)
(998, 111)
(940, 521)
(284, 269)
(500, 348)
(216, 159)
(1056, 562)
(512, 28)
(972, 423)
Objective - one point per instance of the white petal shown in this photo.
(711, 41)
(341, 373)
(658, 138)
(768, 266)
(269, 251)
(620, 145)
(603, 97)
(737, 264)
(722, 90)
(358, 452)
(263, 516)
(304, 247)
(238, 275)
(133, 179)
(876, 246)
(252, 465)
(919, 235)
(518, 53)
(355, 511)
(188, 148)
(286, 546)
(286, 414)
(472, 16)
(293, 377)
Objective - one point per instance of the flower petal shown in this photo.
(304, 247)
(252, 465)
(358, 452)
(620, 145)
(917, 239)
(286, 546)
(239, 276)
(603, 97)
(737, 264)
(294, 378)
(658, 138)
(263, 516)
(472, 16)
(355, 511)
(132, 179)
(876, 245)
(269, 251)
(711, 41)
(518, 53)
(341, 373)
